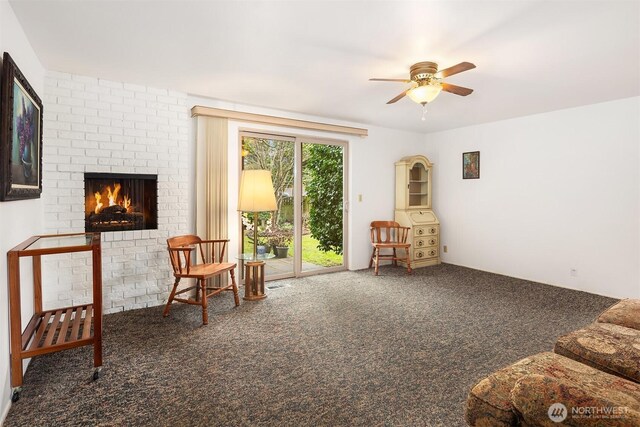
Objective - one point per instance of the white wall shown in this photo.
(371, 171)
(557, 191)
(18, 219)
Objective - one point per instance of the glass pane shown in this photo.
(60, 242)
(322, 206)
(418, 185)
(275, 229)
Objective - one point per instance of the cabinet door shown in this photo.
(419, 186)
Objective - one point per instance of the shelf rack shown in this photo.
(57, 329)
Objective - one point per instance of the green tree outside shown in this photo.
(324, 187)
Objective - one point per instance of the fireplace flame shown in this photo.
(99, 204)
(112, 197)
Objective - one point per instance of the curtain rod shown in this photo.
(199, 110)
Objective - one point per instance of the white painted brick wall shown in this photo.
(96, 125)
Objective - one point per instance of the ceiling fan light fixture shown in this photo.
(425, 93)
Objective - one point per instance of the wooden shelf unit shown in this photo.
(414, 210)
(58, 329)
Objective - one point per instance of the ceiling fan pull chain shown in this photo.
(424, 112)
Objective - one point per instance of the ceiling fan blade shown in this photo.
(399, 97)
(463, 66)
(390, 80)
(458, 90)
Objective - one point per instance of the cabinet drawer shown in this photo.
(423, 253)
(426, 230)
(423, 242)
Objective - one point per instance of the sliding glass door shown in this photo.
(306, 233)
(275, 229)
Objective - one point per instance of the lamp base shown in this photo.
(254, 281)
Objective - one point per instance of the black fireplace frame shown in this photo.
(106, 176)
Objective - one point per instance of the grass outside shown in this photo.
(310, 252)
(313, 255)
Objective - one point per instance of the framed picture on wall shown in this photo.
(20, 135)
(471, 165)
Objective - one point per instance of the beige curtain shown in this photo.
(211, 178)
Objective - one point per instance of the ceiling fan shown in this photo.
(426, 82)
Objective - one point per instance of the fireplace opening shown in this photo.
(117, 202)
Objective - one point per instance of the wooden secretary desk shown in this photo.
(59, 328)
(413, 209)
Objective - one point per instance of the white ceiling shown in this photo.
(316, 57)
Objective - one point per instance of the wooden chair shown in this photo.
(184, 266)
(389, 235)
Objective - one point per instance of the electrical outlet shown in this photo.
(445, 249)
(359, 197)
(573, 272)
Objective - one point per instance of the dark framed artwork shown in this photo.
(471, 165)
(20, 135)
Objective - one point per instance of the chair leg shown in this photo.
(395, 259)
(172, 295)
(371, 260)
(235, 287)
(205, 314)
(408, 261)
(377, 262)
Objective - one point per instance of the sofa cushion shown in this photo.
(604, 400)
(624, 313)
(489, 402)
(610, 348)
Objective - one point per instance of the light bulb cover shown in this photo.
(425, 93)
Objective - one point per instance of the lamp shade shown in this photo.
(425, 93)
(256, 192)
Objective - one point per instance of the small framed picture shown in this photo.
(20, 135)
(471, 165)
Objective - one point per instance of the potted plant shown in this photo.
(280, 239)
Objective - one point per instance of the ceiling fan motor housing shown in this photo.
(423, 71)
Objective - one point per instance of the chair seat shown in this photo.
(391, 245)
(202, 271)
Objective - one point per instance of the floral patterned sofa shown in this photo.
(594, 367)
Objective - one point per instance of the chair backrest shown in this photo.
(388, 232)
(179, 263)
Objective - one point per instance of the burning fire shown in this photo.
(112, 196)
(98, 202)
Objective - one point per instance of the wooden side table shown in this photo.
(60, 328)
(254, 276)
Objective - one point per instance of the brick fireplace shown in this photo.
(112, 132)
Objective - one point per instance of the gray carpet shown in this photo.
(344, 349)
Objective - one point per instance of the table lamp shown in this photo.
(256, 195)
